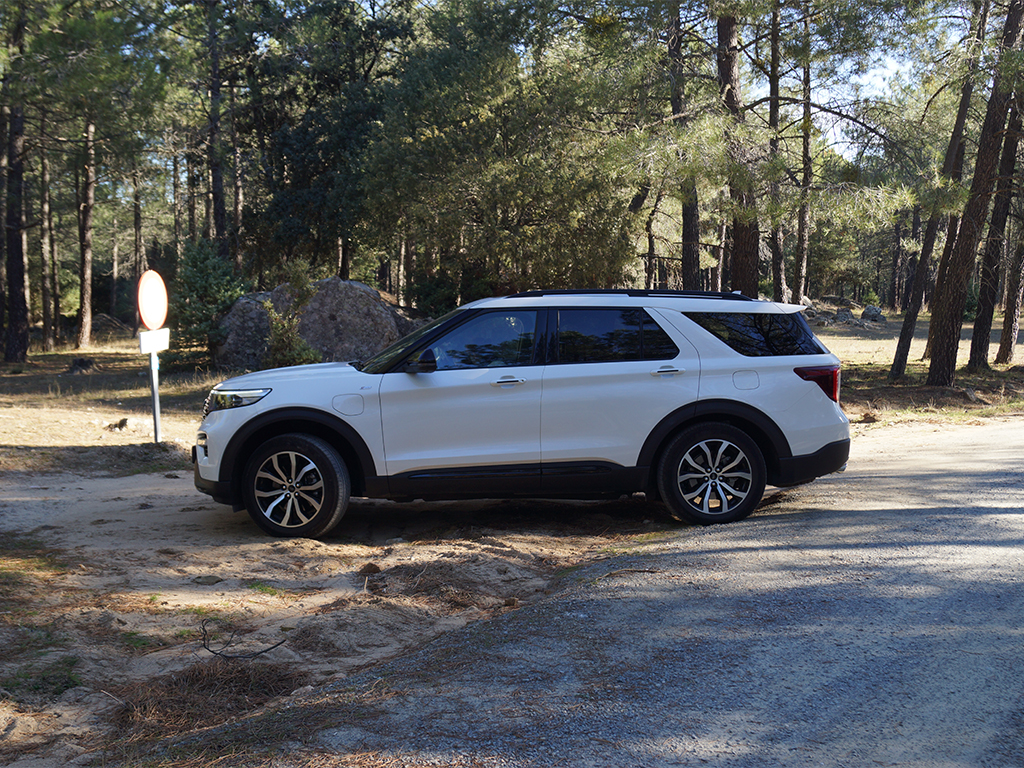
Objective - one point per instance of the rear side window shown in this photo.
(610, 335)
(761, 334)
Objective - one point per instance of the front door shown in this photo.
(473, 425)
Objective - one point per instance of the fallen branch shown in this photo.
(230, 641)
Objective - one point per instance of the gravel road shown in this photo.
(871, 618)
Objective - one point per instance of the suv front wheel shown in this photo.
(296, 485)
(711, 473)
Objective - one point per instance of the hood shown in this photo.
(278, 376)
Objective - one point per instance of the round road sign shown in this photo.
(152, 300)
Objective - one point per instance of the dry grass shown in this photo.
(869, 397)
(222, 713)
(199, 696)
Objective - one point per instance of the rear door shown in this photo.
(613, 374)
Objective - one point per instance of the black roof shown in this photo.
(735, 296)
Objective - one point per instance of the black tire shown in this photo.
(711, 473)
(296, 486)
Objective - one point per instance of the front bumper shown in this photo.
(222, 493)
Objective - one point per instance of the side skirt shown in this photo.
(569, 480)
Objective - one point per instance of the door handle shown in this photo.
(507, 381)
(668, 371)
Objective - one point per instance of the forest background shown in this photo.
(456, 149)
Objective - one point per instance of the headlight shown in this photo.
(219, 399)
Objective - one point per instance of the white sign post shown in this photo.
(153, 311)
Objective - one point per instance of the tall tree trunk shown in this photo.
(176, 204)
(803, 226)
(780, 292)
(690, 235)
(192, 182)
(898, 265)
(54, 277)
(5, 115)
(652, 250)
(952, 168)
(138, 248)
(87, 205)
(993, 253)
(344, 258)
(1011, 315)
(16, 277)
(16, 348)
(915, 235)
(219, 222)
(115, 266)
(948, 314)
(745, 234)
(239, 196)
(45, 267)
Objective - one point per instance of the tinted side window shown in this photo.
(610, 335)
(491, 340)
(760, 334)
(658, 345)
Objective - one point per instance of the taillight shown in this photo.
(825, 376)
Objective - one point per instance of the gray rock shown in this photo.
(873, 314)
(844, 315)
(246, 328)
(345, 320)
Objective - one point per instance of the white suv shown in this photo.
(698, 399)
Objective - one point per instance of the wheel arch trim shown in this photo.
(341, 436)
(761, 428)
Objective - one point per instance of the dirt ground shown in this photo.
(132, 605)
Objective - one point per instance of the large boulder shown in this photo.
(345, 320)
(873, 314)
(245, 330)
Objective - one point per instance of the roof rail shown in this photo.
(734, 296)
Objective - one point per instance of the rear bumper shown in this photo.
(802, 469)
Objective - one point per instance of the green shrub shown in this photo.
(203, 291)
(285, 347)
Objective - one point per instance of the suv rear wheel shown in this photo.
(296, 485)
(711, 473)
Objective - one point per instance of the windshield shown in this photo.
(389, 356)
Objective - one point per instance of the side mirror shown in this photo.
(425, 362)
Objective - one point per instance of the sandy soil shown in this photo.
(126, 579)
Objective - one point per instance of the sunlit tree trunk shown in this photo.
(948, 314)
(115, 266)
(803, 225)
(780, 291)
(690, 235)
(745, 234)
(1011, 316)
(239, 196)
(87, 205)
(952, 168)
(45, 252)
(992, 255)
